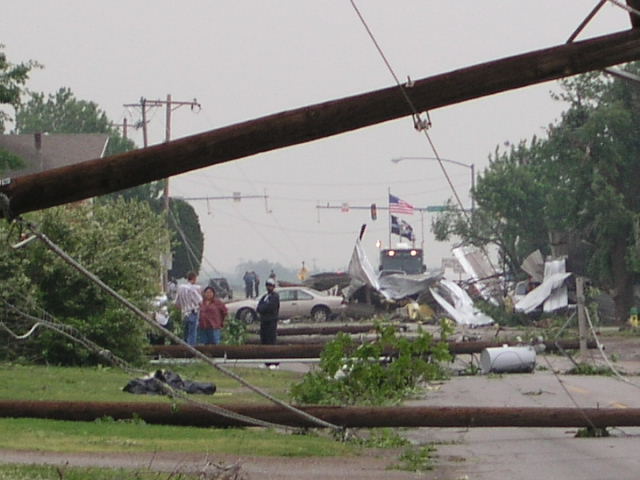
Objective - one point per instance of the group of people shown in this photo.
(203, 314)
(251, 284)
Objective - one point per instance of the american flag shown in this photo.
(399, 206)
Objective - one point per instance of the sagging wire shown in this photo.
(191, 249)
(196, 353)
(75, 336)
(586, 21)
(421, 125)
(568, 356)
(270, 211)
(625, 7)
(191, 255)
(604, 356)
(571, 397)
(557, 343)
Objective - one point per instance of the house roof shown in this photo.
(42, 152)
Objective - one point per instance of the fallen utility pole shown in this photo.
(261, 352)
(349, 417)
(328, 330)
(106, 175)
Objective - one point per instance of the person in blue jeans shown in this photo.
(212, 314)
(188, 299)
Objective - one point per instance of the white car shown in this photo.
(294, 302)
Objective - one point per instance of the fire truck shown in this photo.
(402, 259)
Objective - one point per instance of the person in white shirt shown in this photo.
(188, 299)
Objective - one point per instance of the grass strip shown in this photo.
(108, 435)
(96, 384)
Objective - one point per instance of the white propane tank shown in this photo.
(507, 359)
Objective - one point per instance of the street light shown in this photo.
(455, 162)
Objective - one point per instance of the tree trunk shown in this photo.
(622, 281)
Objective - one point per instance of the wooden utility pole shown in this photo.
(314, 351)
(169, 105)
(125, 127)
(350, 416)
(293, 127)
(582, 319)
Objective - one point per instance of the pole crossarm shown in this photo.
(301, 125)
(362, 207)
(223, 197)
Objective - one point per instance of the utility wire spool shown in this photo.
(506, 359)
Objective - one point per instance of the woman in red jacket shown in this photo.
(212, 314)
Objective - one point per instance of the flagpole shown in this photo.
(389, 212)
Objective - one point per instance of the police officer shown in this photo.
(268, 310)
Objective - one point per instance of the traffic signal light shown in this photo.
(374, 211)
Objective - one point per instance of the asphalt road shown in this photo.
(534, 453)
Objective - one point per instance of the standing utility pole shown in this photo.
(170, 105)
(125, 127)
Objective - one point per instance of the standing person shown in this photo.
(256, 283)
(272, 274)
(248, 284)
(172, 288)
(212, 314)
(188, 299)
(268, 310)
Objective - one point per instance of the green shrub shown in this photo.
(120, 242)
(234, 331)
(350, 373)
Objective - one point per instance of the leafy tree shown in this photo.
(62, 112)
(12, 80)
(104, 239)
(510, 197)
(188, 239)
(9, 161)
(579, 180)
(13, 77)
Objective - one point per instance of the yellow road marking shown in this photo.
(577, 389)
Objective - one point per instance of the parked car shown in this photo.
(294, 302)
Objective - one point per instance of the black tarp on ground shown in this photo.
(152, 384)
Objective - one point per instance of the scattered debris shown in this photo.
(552, 291)
(152, 384)
(459, 306)
(508, 359)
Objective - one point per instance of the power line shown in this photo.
(170, 105)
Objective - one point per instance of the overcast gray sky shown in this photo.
(242, 59)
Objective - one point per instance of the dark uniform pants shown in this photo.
(268, 335)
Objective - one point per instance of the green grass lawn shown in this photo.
(46, 472)
(99, 384)
(115, 436)
(32, 382)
